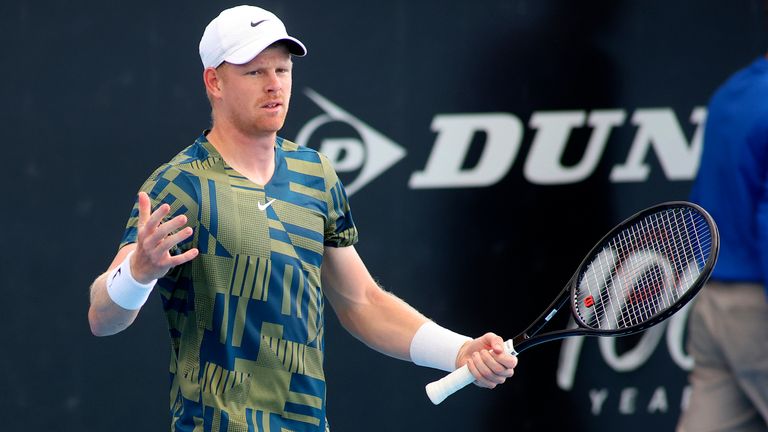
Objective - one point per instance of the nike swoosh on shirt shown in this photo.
(263, 207)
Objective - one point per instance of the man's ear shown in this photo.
(212, 81)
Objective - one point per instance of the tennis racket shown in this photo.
(638, 275)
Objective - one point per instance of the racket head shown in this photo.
(645, 269)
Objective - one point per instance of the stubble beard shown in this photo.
(259, 125)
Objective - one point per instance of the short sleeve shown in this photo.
(180, 191)
(340, 229)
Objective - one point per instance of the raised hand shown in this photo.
(152, 259)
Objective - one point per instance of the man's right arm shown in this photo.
(105, 316)
(149, 261)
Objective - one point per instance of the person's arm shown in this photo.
(104, 316)
(388, 324)
(116, 295)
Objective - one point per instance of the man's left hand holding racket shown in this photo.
(486, 359)
(488, 363)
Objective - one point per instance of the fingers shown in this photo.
(144, 208)
(163, 231)
(155, 219)
(166, 235)
(151, 228)
(185, 257)
(486, 376)
(490, 371)
(490, 364)
(479, 378)
(149, 221)
(495, 367)
(155, 240)
(494, 342)
(172, 240)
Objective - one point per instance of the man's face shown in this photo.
(254, 96)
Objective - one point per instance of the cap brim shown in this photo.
(249, 51)
(295, 46)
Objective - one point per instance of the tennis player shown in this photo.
(239, 232)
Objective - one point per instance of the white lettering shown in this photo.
(598, 397)
(569, 359)
(659, 129)
(631, 398)
(371, 153)
(635, 357)
(627, 401)
(676, 338)
(455, 132)
(686, 399)
(543, 165)
(658, 401)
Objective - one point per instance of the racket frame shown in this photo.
(526, 338)
(461, 377)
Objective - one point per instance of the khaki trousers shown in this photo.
(728, 340)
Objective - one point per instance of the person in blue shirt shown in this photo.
(728, 327)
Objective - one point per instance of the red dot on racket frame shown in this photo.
(589, 301)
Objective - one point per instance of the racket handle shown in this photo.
(456, 380)
(449, 384)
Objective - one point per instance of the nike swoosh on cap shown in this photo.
(254, 24)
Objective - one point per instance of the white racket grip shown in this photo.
(456, 380)
(449, 384)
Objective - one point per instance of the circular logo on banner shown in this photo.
(366, 151)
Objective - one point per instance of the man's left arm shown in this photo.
(388, 324)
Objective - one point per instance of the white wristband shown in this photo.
(124, 290)
(436, 347)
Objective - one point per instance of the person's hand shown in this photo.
(486, 359)
(152, 259)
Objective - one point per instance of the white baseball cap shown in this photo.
(239, 34)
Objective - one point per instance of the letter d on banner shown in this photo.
(455, 132)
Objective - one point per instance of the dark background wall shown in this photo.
(96, 94)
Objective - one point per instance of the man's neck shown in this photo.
(251, 155)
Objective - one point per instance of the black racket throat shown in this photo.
(530, 337)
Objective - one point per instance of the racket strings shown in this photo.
(661, 285)
(644, 269)
(677, 280)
